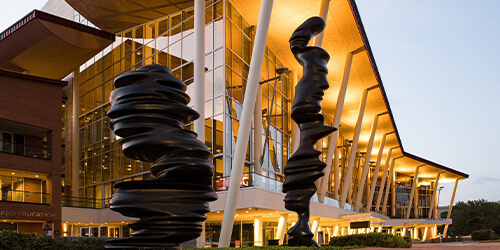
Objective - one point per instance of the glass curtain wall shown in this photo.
(169, 41)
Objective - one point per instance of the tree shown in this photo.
(474, 215)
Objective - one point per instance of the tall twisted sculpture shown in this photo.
(149, 110)
(304, 167)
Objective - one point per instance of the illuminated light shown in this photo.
(36, 175)
(4, 220)
(236, 215)
(270, 213)
(246, 212)
(249, 208)
(12, 172)
(218, 211)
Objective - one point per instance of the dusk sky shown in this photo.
(439, 63)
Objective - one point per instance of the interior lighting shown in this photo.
(12, 172)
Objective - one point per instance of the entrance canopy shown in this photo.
(49, 46)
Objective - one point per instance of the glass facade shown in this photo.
(169, 41)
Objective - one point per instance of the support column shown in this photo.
(336, 174)
(282, 228)
(382, 181)
(354, 148)
(361, 185)
(393, 190)
(75, 140)
(199, 81)
(413, 190)
(375, 173)
(415, 203)
(389, 181)
(295, 128)
(434, 195)
(323, 13)
(451, 206)
(257, 135)
(245, 122)
(314, 228)
(336, 231)
(199, 67)
(257, 232)
(332, 139)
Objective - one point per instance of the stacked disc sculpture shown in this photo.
(149, 110)
(304, 167)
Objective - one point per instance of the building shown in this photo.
(30, 153)
(371, 177)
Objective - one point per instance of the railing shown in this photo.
(257, 180)
(24, 150)
(25, 197)
(84, 202)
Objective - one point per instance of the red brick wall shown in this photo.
(36, 103)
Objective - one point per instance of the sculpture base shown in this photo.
(300, 234)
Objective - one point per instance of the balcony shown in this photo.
(83, 202)
(25, 197)
(24, 150)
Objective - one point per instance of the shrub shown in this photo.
(15, 241)
(482, 234)
(372, 240)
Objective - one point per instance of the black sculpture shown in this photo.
(149, 110)
(304, 167)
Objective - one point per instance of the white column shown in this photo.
(361, 185)
(413, 190)
(336, 231)
(245, 122)
(75, 140)
(450, 207)
(434, 195)
(393, 190)
(336, 174)
(382, 181)
(375, 173)
(354, 148)
(199, 67)
(282, 228)
(257, 135)
(295, 128)
(389, 180)
(257, 232)
(315, 226)
(323, 13)
(332, 139)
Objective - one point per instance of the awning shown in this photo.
(49, 46)
(114, 15)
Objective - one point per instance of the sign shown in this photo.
(27, 214)
(360, 224)
(237, 243)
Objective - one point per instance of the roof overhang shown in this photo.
(370, 216)
(116, 15)
(49, 46)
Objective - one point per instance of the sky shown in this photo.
(439, 62)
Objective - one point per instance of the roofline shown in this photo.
(361, 29)
(362, 32)
(33, 78)
(57, 20)
(418, 158)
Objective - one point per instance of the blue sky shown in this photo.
(439, 63)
